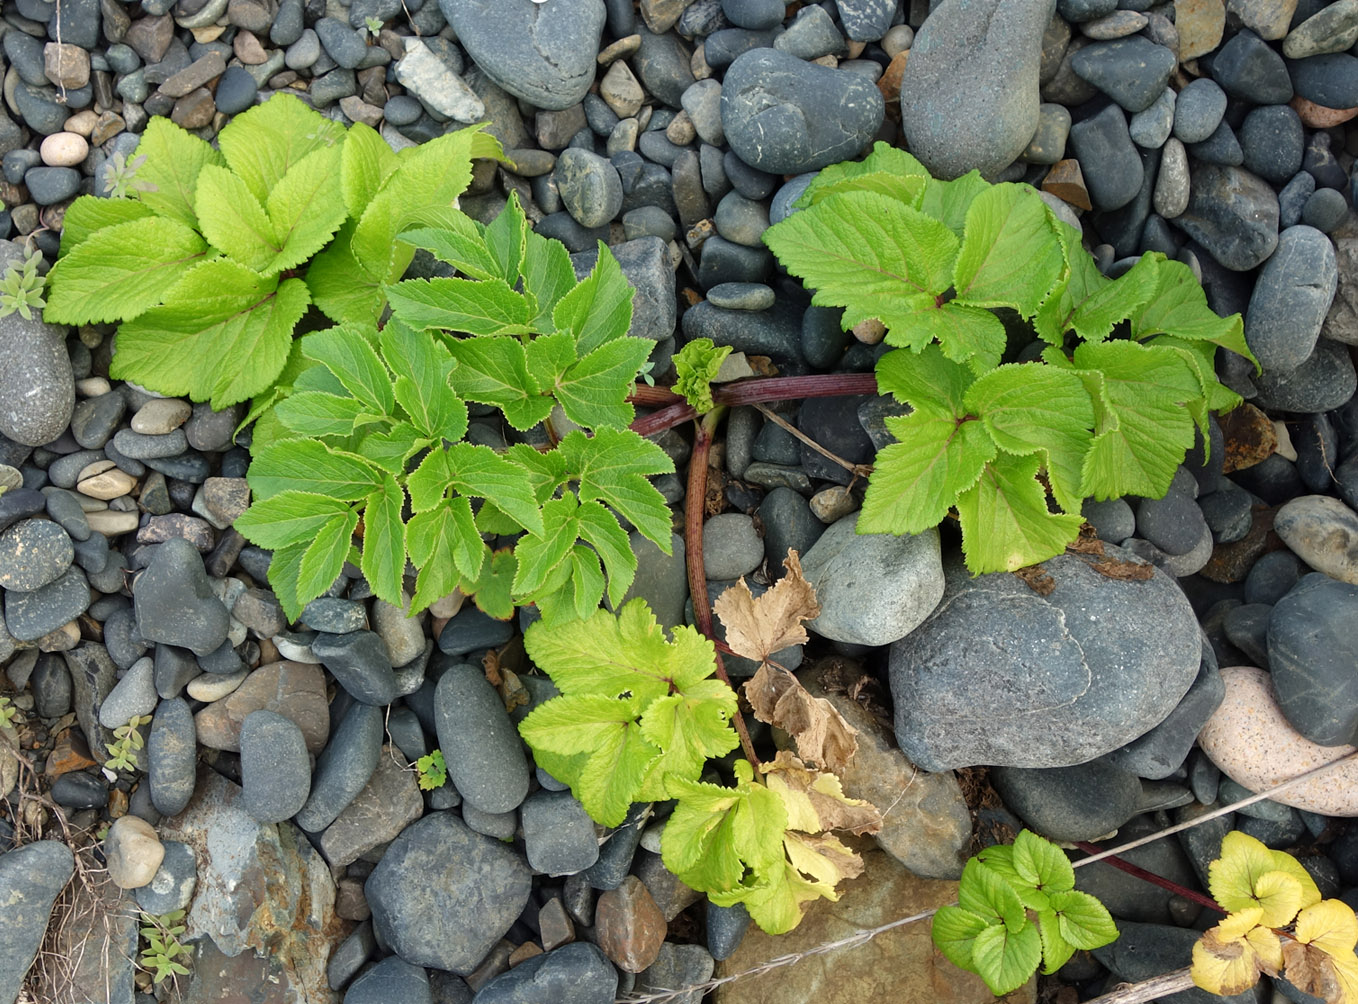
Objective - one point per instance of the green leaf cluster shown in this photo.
(1017, 908)
(432, 771)
(1125, 374)
(212, 256)
(22, 287)
(373, 424)
(696, 365)
(127, 743)
(163, 948)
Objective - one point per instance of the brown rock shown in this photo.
(555, 927)
(629, 925)
(387, 805)
(1318, 116)
(897, 965)
(1232, 562)
(226, 498)
(248, 49)
(1341, 323)
(1250, 438)
(195, 109)
(195, 75)
(66, 65)
(1200, 24)
(889, 83)
(1067, 182)
(523, 953)
(1269, 19)
(149, 37)
(70, 753)
(294, 690)
(350, 902)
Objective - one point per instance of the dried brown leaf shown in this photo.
(815, 800)
(822, 735)
(756, 628)
(1310, 970)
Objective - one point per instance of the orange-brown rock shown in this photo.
(1067, 182)
(629, 926)
(294, 690)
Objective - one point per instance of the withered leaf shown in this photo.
(1310, 970)
(756, 628)
(822, 735)
(815, 800)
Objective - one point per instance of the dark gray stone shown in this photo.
(1199, 110)
(359, 661)
(33, 553)
(29, 616)
(1272, 141)
(1132, 71)
(589, 185)
(1101, 661)
(78, 790)
(1233, 214)
(51, 685)
(663, 64)
(275, 769)
(578, 973)
(344, 45)
(172, 886)
(37, 390)
(1173, 523)
(558, 834)
(726, 927)
(1330, 80)
(1291, 298)
(1247, 67)
(175, 603)
(236, 91)
(392, 979)
(344, 766)
(1311, 655)
(1162, 750)
(543, 53)
(30, 879)
(50, 185)
(172, 756)
(1080, 802)
(443, 895)
(783, 115)
(1325, 380)
(1112, 169)
(480, 745)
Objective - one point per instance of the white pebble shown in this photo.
(64, 149)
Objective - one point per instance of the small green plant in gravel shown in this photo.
(1109, 407)
(8, 712)
(431, 770)
(211, 257)
(374, 425)
(162, 952)
(22, 287)
(127, 742)
(1018, 908)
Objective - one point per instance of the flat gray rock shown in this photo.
(999, 674)
(274, 767)
(30, 879)
(1291, 297)
(37, 391)
(969, 94)
(175, 603)
(1233, 214)
(480, 745)
(443, 895)
(1323, 532)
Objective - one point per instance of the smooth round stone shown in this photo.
(1311, 654)
(37, 390)
(274, 765)
(403, 635)
(741, 296)
(1131, 71)
(1112, 519)
(172, 886)
(1323, 532)
(589, 185)
(211, 687)
(1249, 68)
(358, 660)
(1170, 196)
(1330, 81)
(1325, 209)
(480, 745)
(470, 630)
(1333, 29)
(134, 695)
(1325, 380)
(1150, 127)
(161, 415)
(132, 852)
(334, 615)
(784, 115)
(64, 149)
(558, 834)
(34, 552)
(30, 616)
(741, 220)
(753, 14)
(344, 767)
(1173, 523)
(1291, 298)
(1199, 110)
(1219, 148)
(172, 756)
(572, 974)
(50, 185)
(174, 600)
(1252, 742)
(78, 790)
(1273, 142)
(1233, 214)
(731, 546)
(392, 979)
(1112, 168)
(236, 91)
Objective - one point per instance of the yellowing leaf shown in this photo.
(1225, 963)
(1314, 971)
(1280, 896)
(814, 799)
(821, 733)
(1329, 925)
(756, 628)
(1234, 880)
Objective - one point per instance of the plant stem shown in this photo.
(1154, 879)
(694, 510)
(674, 411)
(1149, 990)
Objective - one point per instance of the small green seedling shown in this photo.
(22, 287)
(163, 950)
(432, 770)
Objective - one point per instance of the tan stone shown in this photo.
(111, 523)
(1269, 19)
(81, 123)
(64, 149)
(629, 926)
(294, 690)
(133, 852)
(620, 49)
(1254, 745)
(1200, 24)
(161, 415)
(66, 65)
(1067, 182)
(620, 90)
(107, 485)
(899, 965)
(248, 49)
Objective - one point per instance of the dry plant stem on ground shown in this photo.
(1147, 990)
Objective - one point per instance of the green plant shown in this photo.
(640, 717)
(8, 712)
(120, 180)
(433, 772)
(1017, 908)
(964, 274)
(696, 365)
(374, 26)
(163, 950)
(127, 742)
(22, 287)
(363, 421)
(1277, 924)
(211, 258)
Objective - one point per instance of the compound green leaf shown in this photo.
(423, 364)
(1005, 520)
(446, 534)
(174, 157)
(348, 353)
(925, 378)
(366, 161)
(948, 201)
(262, 144)
(1201, 356)
(324, 557)
(316, 413)
(968, 335)
(1083, 282)
(1109, 303)
(618, 754)
(593, 391)
(1142, 427)
(222, 334)
(1010, 256)
(601, 529)
(689, 728)
(384, 550)
(303, 209)
(480, 471)
(612, 466)
(88, 214)
(872, 255)
(696, 365)
(915, 480)
(120, 271)
(310, 466)
(1179, 307)
(1083, 920)
(390, 448)
(599, 309)
(546, 469)
(290, 517)
(954, 933)
(1041, 864)
(1056, 950)
(887, 169)
(549, 356)
(438, 575)
(1005, 959)
(547, 277)
(586, 586)
(492, 589)
(460, 241)
(715, 833)
(474, 306)
(541, 554)
(341, 289)
(232, 219)
(985, 893)
(505, 240)
(284, 568)
(494, 370)
(1032, 408)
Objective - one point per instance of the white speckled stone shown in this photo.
(1251, 741)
